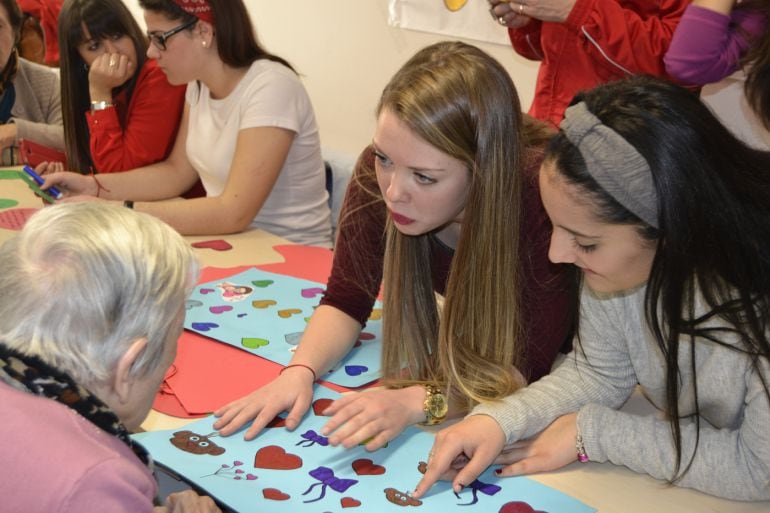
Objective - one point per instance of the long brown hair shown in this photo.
(757, 62)
(103, 18)
(463, 102)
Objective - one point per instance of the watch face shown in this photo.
(437, 406)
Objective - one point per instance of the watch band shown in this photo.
(101, 105)
(434, 406)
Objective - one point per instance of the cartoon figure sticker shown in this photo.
(196, 444)
(232, 292)
(401, 498)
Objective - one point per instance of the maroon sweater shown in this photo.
(360, 248)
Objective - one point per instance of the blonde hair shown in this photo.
(461, 101)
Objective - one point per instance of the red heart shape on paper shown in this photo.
(366, 467)
(349, 502)
(276, 458)
(274, 494)
(216, 245)
(319, 405)
(276, 422)
(15, 218)
(518, 507)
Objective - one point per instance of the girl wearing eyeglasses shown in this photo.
(120, 112)
(248, 131)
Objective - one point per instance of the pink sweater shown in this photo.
(54, 460)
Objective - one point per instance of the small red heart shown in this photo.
(274, 457)
(366, 467)
(275, 494)
(216, 245)
(366, 336)
(319, 405)
(349, 502)
(518, 507)
(276, 422)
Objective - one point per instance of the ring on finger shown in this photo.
(112, 62)
(521, 9)
(501, 20)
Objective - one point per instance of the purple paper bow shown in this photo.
(313, 438)
(326, 477)
(477, 486)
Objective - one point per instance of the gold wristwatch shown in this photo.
(435, 405)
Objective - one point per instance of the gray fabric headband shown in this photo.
(613, 162)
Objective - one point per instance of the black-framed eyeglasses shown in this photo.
(159, 38)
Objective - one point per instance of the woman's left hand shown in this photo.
(552, 449)
(378, 416)
(7, 135)
(107, 72)
(544, 10)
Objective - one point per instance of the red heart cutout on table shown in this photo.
(15, 218)
(366, 467)
(349, 502)
(518, 507)
(319, 405)
(276, 422)
(276, 458)
(274, 494)
(216, 245)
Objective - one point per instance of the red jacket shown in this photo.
(601, 41)
(47, 14)
(151, 121)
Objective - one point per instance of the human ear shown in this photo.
(123, 380)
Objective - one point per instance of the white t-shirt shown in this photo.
(269, 95)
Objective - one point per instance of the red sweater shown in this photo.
(600, 41)
(360, 248)
(149, 130)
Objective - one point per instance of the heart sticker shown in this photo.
(276, 422)
(276, 458)
(262, 303)
(204, 326)
(285, 314)
(216, 245)
(293, 338)
(355, 370)
(366, 467)
(274, 494)
(15, 218)
(518, 507)
(349, 502)
(366, 336)
(319, 405)
(206, 291)
(376, 314)
(254, 343)
(220, 309)
(262, 283)
(311, 292)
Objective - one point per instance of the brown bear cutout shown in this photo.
(195, 444)
(401, 498)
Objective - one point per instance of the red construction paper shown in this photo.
(216, 245)
(15, 218)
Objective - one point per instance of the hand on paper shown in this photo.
(291, 391)
(107, 72)
(552, 449)
(476, 440)
(377, 415)
(188, 502)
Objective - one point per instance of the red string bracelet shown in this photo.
(99, 186)
(308, 367)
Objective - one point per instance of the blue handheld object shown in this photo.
(53, 191)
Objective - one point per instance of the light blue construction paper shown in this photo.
(243, 325)
(216, 474)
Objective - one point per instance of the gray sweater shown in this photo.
(733, 457)
(37, 109)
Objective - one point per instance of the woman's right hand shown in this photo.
(107, 72)
(70, 184)
(291, 391)
(188, 502)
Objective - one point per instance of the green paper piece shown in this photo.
(262, 283)
(36, 189)
(10, 174)
(8, 203)
(254, 343)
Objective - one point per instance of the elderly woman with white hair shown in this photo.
(91, 304)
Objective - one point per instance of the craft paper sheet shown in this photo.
(266, 313)
(282, 471)
(456, 18)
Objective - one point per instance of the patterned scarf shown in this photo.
(30, 374)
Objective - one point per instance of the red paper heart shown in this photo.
(274, 494)
(319, 405)
(349, 502)
(518, 507)
(366, 467)
(276, 458)
(15, 218)
(276, 422)
(216, 245)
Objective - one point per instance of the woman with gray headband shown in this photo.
(667, 215)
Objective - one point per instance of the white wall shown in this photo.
(346, 52)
